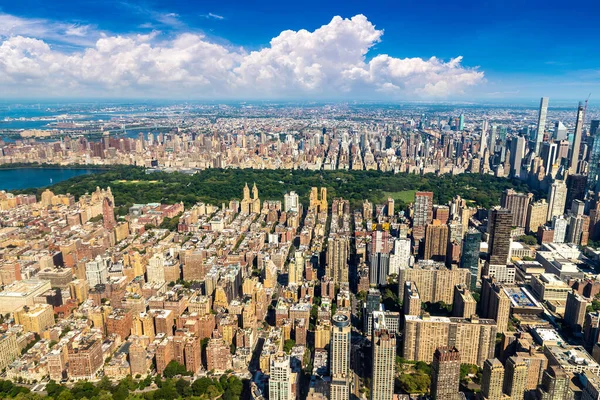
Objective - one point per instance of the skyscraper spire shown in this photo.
(574, 158)
(541, 125)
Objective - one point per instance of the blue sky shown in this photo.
(510, 50)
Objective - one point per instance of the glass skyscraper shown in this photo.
(470, 255)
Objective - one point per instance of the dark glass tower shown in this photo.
(470, 254)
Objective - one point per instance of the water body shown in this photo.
(23, 178)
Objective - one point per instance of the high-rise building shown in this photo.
(379, 257)
(576, 188)
(578, 232)
(555, 384)
(515, 378)
(371, 304)
(85, 359)
(296, 268)
(338, 253)
(96, 271)
(541, 125)
(9, 350)
(156, 268)
(574, 154)
(422, 213)
(495, 303)
(445, 373)
(280, 378)
(499, 229)
(575, 310)
(492, 380)
(401, 257)
(549, 155)
(291, 202)
(137, 359)
(536, 215)
(340, 356)
(557, 199)
(436, 241)
(517, 204)
(36, 318)
(411, 304)
(560, 131)
(384, 360)
(108, 214)
(594, 163)
(389, 208)
(464, 303)
(434, 280)
(470, 255)
(517, 152)
(475, 338)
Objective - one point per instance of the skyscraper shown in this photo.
(280, 379)
(384, 359)
(296, 268)
(555, 384)
(470, 254)
(379, 257)
(338, 252)
(495, 303)
(492, 380)
(291, 202)
(557, 199)
(108, 214)
(436, 241)
(593, 173)
(423, 213)
(575, 311)
(576, 188)
(515, 378)
(340, 357)
(518, 204)
(541, 124)
(445, 373)
(574, 155)
(499, 229)
(517, 151)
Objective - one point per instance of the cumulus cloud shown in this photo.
(330, 62)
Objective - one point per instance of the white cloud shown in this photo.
(212, 16)
(39, 28)
(330, 62)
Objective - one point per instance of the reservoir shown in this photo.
(22, 178)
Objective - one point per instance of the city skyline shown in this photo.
(348, 52)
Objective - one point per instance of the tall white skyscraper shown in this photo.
(340, 357)
(560, 131)
(557, 199)
(291, 202)
(96, 271)
(384, 358)
(401, 257)
(280, 378)
(541, 125)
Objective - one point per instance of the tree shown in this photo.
(288, 344)
(200, 386)
(174, 368)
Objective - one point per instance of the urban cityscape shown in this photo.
(303, 217)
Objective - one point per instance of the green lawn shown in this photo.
(406, 196)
